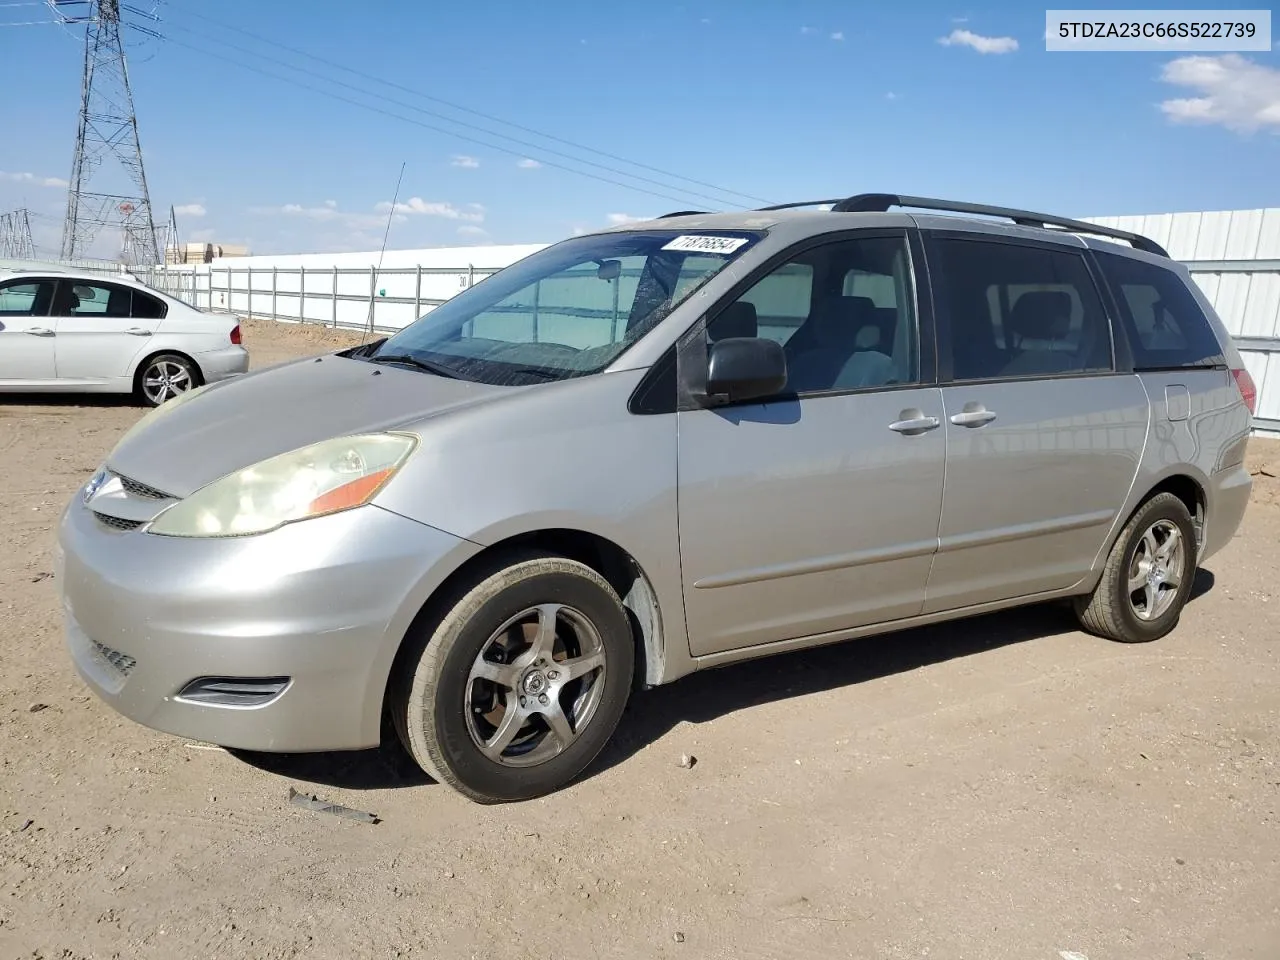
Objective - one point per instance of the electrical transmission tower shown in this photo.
(108, 185)
(15, 236)
(170, 249)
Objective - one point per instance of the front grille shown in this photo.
(115, 523)
(122, 663)
(137, 489)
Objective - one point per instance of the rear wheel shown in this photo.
(1147, 577)
(521, 684)
(164, 377)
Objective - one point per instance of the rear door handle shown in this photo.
(916, 424)
(138, 332)
(40, 332)
(972, 418)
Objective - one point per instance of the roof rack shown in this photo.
(802, 203)
(881, 202)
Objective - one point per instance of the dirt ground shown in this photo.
(1006, 787)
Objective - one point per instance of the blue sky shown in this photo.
(782, 101)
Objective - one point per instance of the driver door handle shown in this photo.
(917, 424)
(138, 332)
(40, 332)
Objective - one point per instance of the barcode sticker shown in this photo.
(694, 244)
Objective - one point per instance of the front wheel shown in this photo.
(1147, 577)
(164, 377)
(521, 684)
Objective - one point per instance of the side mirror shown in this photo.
(745, 368)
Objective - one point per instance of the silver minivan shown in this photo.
(657, 449)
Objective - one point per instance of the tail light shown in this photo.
(235, 336)
(1248, 390)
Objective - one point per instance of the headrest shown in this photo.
(736, 320)
(867, 338)
(1041, 315)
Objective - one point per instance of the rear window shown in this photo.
(1164, 323)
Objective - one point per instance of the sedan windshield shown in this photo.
(566, 311)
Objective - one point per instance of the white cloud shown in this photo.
(1234, 92)
(838, 35)
(706, 19)
(617, 219)
(190, 210)
(331, 204)
(967, 38)
(471, 230)
(525, 163)
(467, 163)
(808, 30)
(891, 95)
(416, 206)
(959, 19)
(328, 214)
(33, 179)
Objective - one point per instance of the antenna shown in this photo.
(386, 233)
(108, 184)
(15, 236)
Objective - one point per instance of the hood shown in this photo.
(236, 423)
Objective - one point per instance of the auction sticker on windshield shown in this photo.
(694, 244)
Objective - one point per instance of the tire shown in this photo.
(1112, 610)
(163, 377)
(445, 712)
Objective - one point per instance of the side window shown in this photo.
(782, 300)
(844, 313)
(80, 299)
(1164, 323)
(26, 298)
(146, 307)
(1018, 311)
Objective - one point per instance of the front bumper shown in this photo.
(324, 603)
(222, 364)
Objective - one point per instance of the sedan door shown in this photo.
(98, 338)
(27, 333)
(1044, 435)
(818, 511)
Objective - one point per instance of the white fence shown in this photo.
(390, 298)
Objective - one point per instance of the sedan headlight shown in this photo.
(323, 478)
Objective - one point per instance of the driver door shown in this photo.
(27, 333)
(817, 511)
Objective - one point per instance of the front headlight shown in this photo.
(323, 478)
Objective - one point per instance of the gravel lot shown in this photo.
(1006, 787)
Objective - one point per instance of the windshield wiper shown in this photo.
(425, 365)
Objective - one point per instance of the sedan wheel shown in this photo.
(165, 377)
(518, 686)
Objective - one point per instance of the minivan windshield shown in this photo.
(568, 310)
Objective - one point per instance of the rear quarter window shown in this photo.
(1162, 320)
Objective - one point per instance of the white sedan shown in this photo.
(63, 330)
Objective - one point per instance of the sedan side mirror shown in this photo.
(745, 368)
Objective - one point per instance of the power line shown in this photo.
(459, 107)
(471, 126)
(420, 123)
